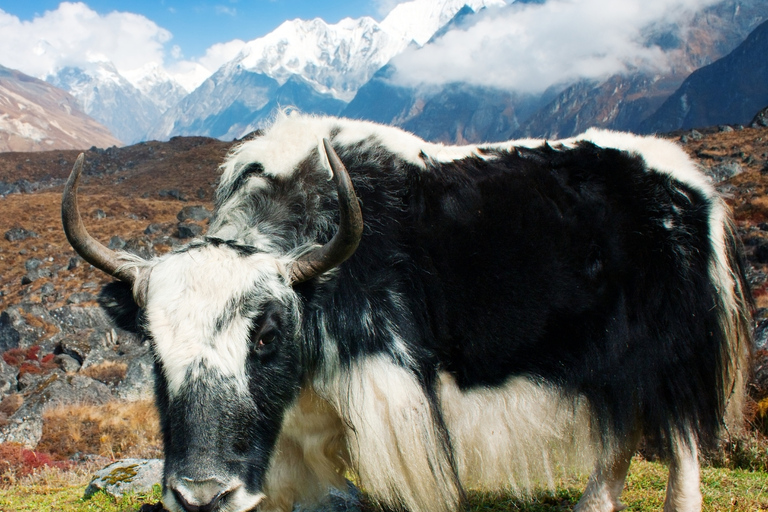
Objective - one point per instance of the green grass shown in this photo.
(724, 490)
(42, 497)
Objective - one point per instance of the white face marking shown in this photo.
(193, 309)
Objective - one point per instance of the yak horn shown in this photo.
(83, 243)
(346, 239)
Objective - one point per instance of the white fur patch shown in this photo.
(518, 436)
(188, 293)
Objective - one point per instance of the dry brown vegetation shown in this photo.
(114, 430)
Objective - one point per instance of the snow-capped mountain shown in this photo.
(333, 60)
(156, 84)
(107, 96)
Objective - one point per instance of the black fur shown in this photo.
(550, 263)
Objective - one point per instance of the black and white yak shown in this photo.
(436, 319)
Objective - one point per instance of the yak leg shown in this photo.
(683, 486)
(607, 481)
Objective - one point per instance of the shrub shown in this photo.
(114, 430)
(17, 461)
(108, 372)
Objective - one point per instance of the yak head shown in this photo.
(224, 321)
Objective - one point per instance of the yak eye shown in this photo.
(264, 333)
(266, 338)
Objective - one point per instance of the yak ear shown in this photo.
(116, 299)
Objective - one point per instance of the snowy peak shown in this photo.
(156, 84)
(335, 59)
(418, 20)
(107, 96)
(339, 58)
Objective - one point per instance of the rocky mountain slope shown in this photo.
(34, 116)
(619, 102)
(62, 336)
(107, 96)
(729, 90)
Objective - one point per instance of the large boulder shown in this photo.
(137, 476)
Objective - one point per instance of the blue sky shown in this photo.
(198, 24)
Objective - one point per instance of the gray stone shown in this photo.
(153, 228)
(196, 213)
(67, 363)
(116, 243)
(26, 431)
(80, 297)
(173, 193)
(74, 262)
(78, 317)
(18, 234)
(32, 264)
(47, 289)
(9, 335)
(140, 246)
(136, 476)
(99, 214)
(189, 230)
(724, 170)
(8, 381)
(139, 381)
(336, 500)
(28, 334)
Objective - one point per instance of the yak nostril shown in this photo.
(209, 507)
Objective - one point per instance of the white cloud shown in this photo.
(221, 53)
(191, 73)
(74, 34)
(529, 47)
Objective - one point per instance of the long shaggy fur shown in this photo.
(513, 311)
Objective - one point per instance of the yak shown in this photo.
(434, 318)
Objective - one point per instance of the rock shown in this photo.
(197, 213)
(8, 382)
(47, 289)
(139, 380)
(74, 318)
(74, 262)
(25, 431)
(723, 171)
(188, 230)
(31, 322)
(336, 500)
(80, 297)
(136, 476)
(140, 246)
(761, 119)
(32, 264)
(76, 348)
(153, 229)
(173, 193)
(67, 363)
(99, 214)
(18, 234)
(9, 335)
(695, 135)
(116, 243)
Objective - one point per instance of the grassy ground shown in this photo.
(724, 491)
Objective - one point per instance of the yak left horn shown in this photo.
(82, 242)
(346, 238)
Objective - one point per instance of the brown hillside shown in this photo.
(36, 116)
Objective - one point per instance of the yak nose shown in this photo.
(200, 495)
